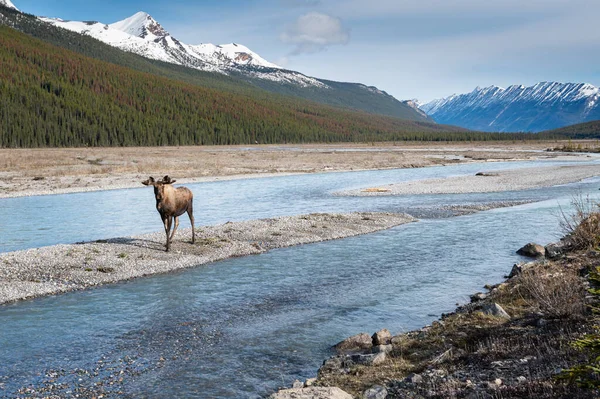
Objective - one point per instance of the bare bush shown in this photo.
(556, 293)
(582, 227)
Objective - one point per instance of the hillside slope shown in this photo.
(579, 130)
(243, 78)
(51, 97)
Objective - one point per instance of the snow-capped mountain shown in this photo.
(8, 4)
(546, 105)
(143, 35)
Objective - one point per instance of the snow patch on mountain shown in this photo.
(7, 3)
(142, 25)
(143, 35)
(545, 105)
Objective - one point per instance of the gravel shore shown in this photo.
(503, 180)
(62, 268)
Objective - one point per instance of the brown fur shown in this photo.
(171, 203)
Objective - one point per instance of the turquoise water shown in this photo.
(47, 220)
(241, 328)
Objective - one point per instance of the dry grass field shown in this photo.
(48, 171)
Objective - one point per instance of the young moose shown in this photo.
(171, 203)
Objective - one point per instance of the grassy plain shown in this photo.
(62, 170)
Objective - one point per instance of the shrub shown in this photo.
(556, 293)
(582, 228)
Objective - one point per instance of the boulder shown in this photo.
(480, 296)
(495, 310)
(383, 348)
(555, 250)
(518, 268)
(311, 393)
(532, 250)
(375, 392)
(382, 337)
(378, 359)
(356, 343)
(372, 359)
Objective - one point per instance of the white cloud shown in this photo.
(314, 32)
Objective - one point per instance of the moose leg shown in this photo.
(190, 213)
(167, 220)
(175, 227)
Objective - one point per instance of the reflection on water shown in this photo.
(243, 327)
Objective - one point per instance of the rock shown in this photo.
(495, 310)
(480, 296)
(521, 379)
(382, 337)
(383, 348)
(516, 270)
(310, 382)
(519, 268)
(373, 359)
(379, 359)
(356, 343)
(297, 384)
(555, 250)
(375, 392)
(333, 365)
(414, 378)
(532, 250)
(311, 393)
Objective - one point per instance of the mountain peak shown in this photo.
(140, 24)
(7, 3)
(543, 106)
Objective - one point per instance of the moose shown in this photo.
(171, 203)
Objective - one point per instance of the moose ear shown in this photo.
(148, 182)
(167, 180)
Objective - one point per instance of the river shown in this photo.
(243, 327)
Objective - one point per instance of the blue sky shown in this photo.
(422, 49)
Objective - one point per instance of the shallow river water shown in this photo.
(243, 327)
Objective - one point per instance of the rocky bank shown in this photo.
(509, 342)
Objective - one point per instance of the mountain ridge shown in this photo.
(353, 96)
(541, 107)
(54, 97)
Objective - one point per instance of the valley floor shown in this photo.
(26, 172)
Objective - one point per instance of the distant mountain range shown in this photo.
(544, 106)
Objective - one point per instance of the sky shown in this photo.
(412, 49)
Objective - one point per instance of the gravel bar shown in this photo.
(503, 180)
(62, 268)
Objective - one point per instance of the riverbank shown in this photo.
(62, 268)
(27, 172)
(511, 341)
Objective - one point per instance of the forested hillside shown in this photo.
(347, 95)
(587, 130)
(50, 96)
